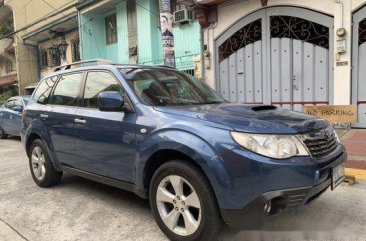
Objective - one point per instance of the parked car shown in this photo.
(11, 116)
(168, 137)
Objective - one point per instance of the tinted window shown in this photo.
(163, 87)
(18, 102)
(44, 89)
(67, 89)
(97, 82)
(9, 104)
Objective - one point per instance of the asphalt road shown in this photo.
(79, 209)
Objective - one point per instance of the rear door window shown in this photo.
(67, 90)
(9, 105)
(44, 89)
(98, 82)
(18, 102)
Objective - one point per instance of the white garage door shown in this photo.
(278, 56)
(359, 66)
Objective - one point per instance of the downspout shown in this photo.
(203, 65)
(80, 36)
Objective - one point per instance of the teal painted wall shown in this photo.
(187, 41)
(93, 41)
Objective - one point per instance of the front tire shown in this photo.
(183, 203)
(41, 167)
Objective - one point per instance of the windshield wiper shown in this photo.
(213, 102)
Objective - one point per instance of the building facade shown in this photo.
(129, 32)
(8, 74)
(288, 53)
(46, 34)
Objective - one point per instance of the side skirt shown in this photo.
(105, 180)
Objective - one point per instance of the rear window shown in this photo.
(43, 91)
(67, 90)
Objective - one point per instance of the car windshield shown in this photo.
(164, 87)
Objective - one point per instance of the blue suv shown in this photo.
(169, 138)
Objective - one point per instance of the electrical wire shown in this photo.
(137, 4)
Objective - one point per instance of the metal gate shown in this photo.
(359, 63)
(277, 56)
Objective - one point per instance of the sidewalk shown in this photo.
(355, 143)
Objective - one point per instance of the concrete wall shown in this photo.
(228, 14)
(187, 36)
(26, 13)
(68, 38)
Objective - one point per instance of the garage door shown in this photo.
(359, 63)
(278, 56)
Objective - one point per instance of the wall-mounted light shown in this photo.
(63, 48)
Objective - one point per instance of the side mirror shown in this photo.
(110, 101)
(18, 108)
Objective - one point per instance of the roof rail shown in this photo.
(166, 66)
(68, 66)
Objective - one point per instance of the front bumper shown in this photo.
(253, 215)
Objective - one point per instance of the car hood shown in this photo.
(254, 119)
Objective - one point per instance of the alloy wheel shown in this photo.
(179, 205)
(38, 163)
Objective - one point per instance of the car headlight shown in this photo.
(274, 146)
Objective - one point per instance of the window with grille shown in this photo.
(189, 71)
(75, 48)
(53, 58)
(111, 29)
(8, 66)
(43, 59)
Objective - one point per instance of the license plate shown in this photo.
(338, 175)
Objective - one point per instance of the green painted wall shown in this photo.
(93, 40)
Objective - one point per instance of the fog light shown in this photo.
(268, 207)
(275, 206)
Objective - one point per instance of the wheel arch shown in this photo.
(159, 150)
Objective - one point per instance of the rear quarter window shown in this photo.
(43, 91)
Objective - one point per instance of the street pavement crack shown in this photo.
(16, 231)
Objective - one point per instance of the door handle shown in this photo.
(43, 116)
(79, 121)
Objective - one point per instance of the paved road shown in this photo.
(79, 209)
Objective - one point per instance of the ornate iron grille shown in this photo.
(301, 29)
(362, 31)
(250, 33)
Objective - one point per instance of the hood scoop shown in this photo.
(264, 108)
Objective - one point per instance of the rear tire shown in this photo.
(2, 134)
(183, 203)
(41, 167)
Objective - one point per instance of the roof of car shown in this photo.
(105, 66)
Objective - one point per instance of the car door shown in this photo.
(15, 124)
(5, 116)
(105, 140)
(59, 115)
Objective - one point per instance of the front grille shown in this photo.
(321, 143)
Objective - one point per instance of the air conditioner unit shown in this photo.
(183, 16)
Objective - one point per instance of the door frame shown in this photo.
(357, 16)
(264, 14)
